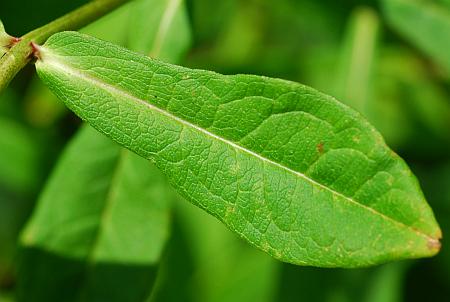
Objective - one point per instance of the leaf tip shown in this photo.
(434, 245)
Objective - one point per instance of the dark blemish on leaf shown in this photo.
(320, 147)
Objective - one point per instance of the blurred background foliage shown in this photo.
(389, 59)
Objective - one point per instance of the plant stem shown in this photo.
(20, 54)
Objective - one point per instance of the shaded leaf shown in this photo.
(387, 283)
(382, 283)
(425, 23)
(41, 107)
(128, 248)
(19, 175)
(91, 247)
(410, 107)
(160, 29)
(237, 272)
(113, 27)
(19, 156)
(355, 73)
(291, 170)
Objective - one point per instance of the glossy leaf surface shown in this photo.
(293, 171)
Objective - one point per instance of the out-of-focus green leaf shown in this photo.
(113, 27)
(387, 283)
(425, 23)
(214, 265)
(237, 272)
(390, 87)
(177, 268)
(160, 29)
(245, 29)
(127, 211)
(84, 241)
(354, 79)
(6, 297)
(445, 2)
(10, 105)
(436, 180)
(266, 37)
(430, 280)
(379, 284)
(20, 172)
(409, 107)
(211, 17)
(19, 156)
(41, 107)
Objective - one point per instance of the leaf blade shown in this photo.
(425, 24)
(233, 116)
(86, 237)
(169, 37)
(129, 222)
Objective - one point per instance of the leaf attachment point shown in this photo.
(6, 41)
(36, 50)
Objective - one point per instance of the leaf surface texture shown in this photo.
(291, 170)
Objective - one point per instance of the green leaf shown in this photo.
(129, 246)
(19, 157)
(289, 169)
(386, 284)
(407, 92)
(237, 272)
(89, 225)
(41, 107)
(19, 173)
(381, 283)
(355, 73)
(425, 23)
(160, 29)
(113, 27)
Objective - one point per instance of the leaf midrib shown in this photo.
(50, 59)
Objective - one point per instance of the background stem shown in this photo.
(20, 54)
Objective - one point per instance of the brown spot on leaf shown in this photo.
(320, 147)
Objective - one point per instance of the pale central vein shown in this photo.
(51, 60)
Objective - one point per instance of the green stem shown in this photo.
(20, 54)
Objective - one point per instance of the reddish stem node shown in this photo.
(36, 50)
(15, 40)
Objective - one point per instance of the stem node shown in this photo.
(36, 50)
